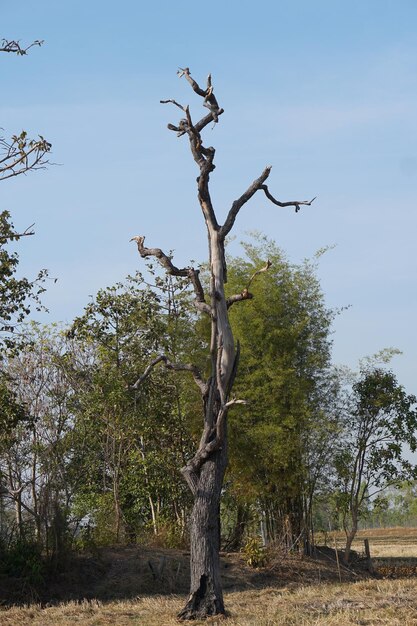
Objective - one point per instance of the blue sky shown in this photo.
(325, 91)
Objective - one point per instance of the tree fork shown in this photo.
(204, 473)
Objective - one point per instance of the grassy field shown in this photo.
(389, 542)
(290, 591)
(393, 603)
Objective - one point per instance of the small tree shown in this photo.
(382, 419)
(204, 472)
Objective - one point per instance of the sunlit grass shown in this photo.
(389, 602)
(392, 603)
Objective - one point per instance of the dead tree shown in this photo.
(205, 471)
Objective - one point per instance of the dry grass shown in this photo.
(384, 542)
(389, 542)
(290, 592)
(392, 603)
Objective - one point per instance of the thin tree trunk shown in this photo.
(18, 514)
(350, 536)
(153, 515)
(236, 539)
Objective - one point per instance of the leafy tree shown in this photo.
(36, 454)
(136, 438)
(17, 295)
(395, 506)
(279, 442)
(381, 419)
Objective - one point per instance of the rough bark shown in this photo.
(206, 596)
(204, 473)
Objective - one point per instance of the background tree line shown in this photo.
(87, 460)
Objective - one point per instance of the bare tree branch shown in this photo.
(16, 236)
(239, 297)
(237, 204)
(173, 102)
(263, 269)
(163, 258)
(209, 98)
(245, 293)
(178, 367)
(188, 272)
(295, 203)
(14, 46)
(245, 197)
(202, 156)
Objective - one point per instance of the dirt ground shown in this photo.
(130, 571)
(147, 586)
(126, 572)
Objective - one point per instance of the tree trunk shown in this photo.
(235, 541)
(349, 540)
(206, 596)
(18, 514)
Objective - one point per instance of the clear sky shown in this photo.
(324, 90)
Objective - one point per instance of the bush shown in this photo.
(23, 559)
(255, 553)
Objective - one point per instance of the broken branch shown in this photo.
(254, 187)
(178, 367)
(295, 203)
(167, 264)
(14, 46)
(245, 293)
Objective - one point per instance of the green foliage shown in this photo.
(23, 559)
(284, 374)
(136, 439)
(89, 451)
(255, 554)
(395, 506)
(381, 418)
(17, 295)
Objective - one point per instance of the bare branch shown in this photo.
(235, 401)
(16, 236)
(178, 367)
(295, 203)
(256, 186)
(199, 125)
(14, 46)
(173, 102)
(263, 269)
(209, 98)
(238, 297)
(200, 301)
(163, 258)
(210, 102)
(171, 269)
(237, 204)
(203, 156)
(245, 293)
